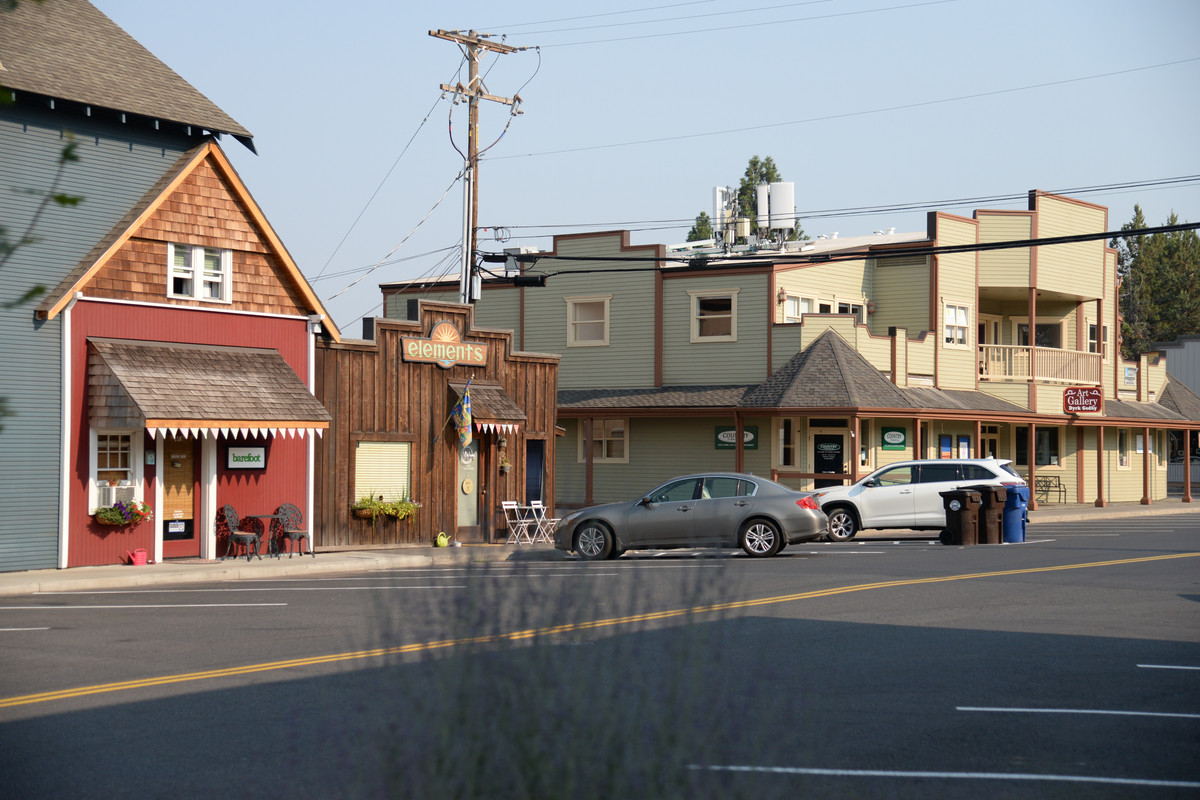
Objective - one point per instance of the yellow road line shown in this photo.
(651, 616)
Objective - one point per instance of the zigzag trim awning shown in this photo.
(198, 391)
(492, 410)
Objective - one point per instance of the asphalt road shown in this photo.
(1065, 667)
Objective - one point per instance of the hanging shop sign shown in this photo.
(1083, 400)
(444, 347)
(727, 437)
(894, 439)
(246, 458)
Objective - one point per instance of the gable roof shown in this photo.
(68, 49)
(159, 193)
(828, 373)
(1178, 397)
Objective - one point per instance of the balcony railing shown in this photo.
(1000, 362)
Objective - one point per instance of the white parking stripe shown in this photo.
(159, 605)
(9, 630)
(967, 776)
(211, 590)
(1166, 666)
(1079, 711)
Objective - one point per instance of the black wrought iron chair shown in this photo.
(239, 537)
(291, 526)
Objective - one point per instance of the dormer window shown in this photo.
(199, 273)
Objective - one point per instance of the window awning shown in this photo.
(198, 390)
(491, 407)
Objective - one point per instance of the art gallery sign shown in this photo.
(444, 347)
(1083, 400)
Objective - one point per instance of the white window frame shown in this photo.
(1097, 346)
(136, 460)
(194, 269)
(788, 449)
(1123, 436)
(697, 295)
(960, 322)
(573, 339)
(858, 310)
(800, 300)
(600, 426)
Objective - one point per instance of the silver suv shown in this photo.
(907, 494)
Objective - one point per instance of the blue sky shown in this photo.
(633, 113)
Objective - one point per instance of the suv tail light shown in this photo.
(808, 502)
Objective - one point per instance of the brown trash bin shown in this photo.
(962, 516)
(991, 513)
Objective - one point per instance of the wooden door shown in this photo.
(180, 497)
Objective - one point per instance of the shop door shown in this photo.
(829, 457)
(180, 537)
(468, 492)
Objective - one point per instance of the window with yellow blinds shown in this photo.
(382, 468)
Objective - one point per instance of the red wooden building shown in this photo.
(188, 347)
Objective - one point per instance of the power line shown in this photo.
(847, 114)
(721, 261)
(726, 28)
(738, 11)
(375, 193)
(604, 14)
(852, 211)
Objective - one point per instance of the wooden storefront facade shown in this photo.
(392, 403)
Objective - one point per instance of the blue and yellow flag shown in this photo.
(462, 417)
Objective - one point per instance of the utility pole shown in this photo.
(472, 44)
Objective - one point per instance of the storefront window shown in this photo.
(1045, 447)
(382, 469)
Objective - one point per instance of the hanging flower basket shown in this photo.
(362, 513)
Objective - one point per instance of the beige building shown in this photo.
(822, 360)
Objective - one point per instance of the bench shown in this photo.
(1044, 485)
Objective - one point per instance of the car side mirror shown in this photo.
(870, 482)
(645, 501)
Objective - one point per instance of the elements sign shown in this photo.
(445, 348)
(1083, 400)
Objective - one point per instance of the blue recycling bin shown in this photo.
(1016, 504)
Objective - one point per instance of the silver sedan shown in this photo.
(719, 509)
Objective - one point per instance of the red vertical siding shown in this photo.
(249, 491)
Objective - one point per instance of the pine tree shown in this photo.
(1159, 285)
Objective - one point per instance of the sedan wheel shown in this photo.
(842, 525)
(594, 541)
(760, 538)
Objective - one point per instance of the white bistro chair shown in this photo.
(545, 525)
(518, 523)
